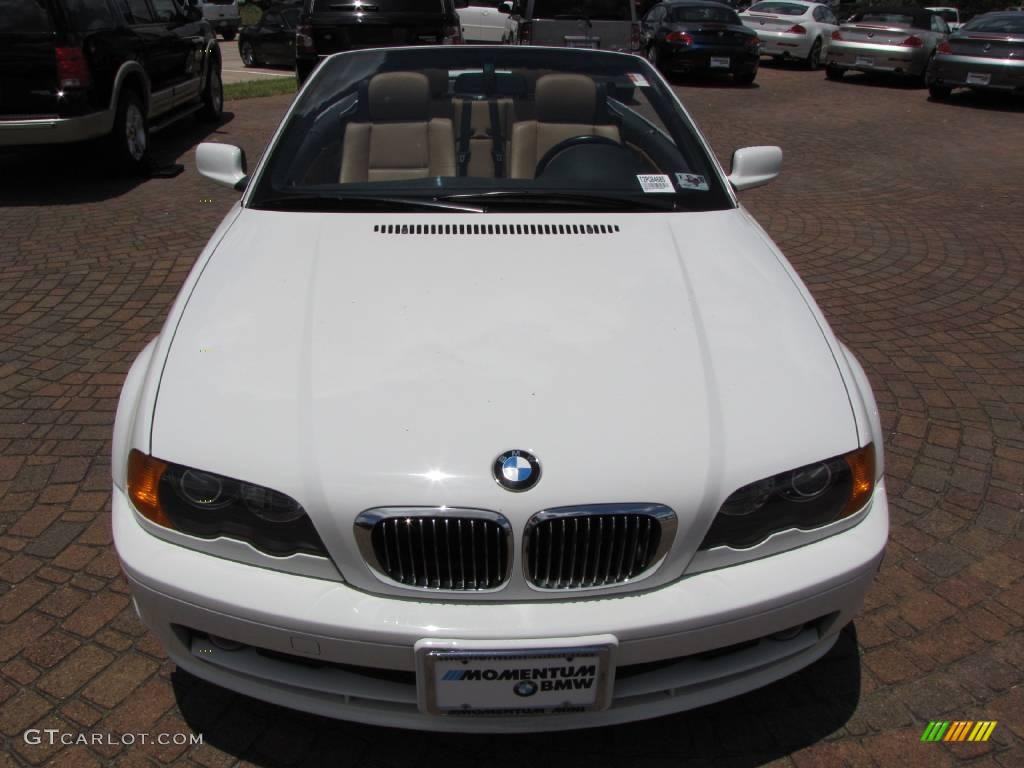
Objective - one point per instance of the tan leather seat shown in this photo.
(566, 106)
(399, 140)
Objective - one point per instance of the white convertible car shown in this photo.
(489, 408)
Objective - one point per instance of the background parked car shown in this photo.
(330, 26)
(223, 16)
(73, 70)
(950, 15)
(606, 24)
(792, 29)
(896, 40)
(987, 53)
(271, 40)
(483, 21)
(698, 36)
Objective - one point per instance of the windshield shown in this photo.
(487, 129)
(26, 17)
(595, 10)
(782, 9)
(1010, 24)
(381, 6)
(704, 13)
(888, 19)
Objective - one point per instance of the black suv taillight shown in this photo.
(72, 68)
(304, 38)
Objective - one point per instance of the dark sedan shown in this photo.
(694, 36)
(986, 54)
(271, 40)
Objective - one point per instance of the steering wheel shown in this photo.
(574, 141)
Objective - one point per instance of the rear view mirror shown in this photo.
(222, 163)
(754, 166)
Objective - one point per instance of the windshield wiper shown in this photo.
(327, 202)
(582, 200)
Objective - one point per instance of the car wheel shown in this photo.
(939, 92)
(745, 78)
(229, 35)
(129, 140)
(813, 60)
(213, 95)
(248, 55)
(833, 73)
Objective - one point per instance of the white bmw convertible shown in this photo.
(489, 408)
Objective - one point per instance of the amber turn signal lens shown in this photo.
(144, 473)
(862, 472)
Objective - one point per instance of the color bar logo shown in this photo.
(958, 730)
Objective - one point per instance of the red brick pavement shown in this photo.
(905, 219)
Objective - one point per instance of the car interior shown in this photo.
(468, 126)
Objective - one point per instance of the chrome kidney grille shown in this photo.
(595, 546)
(448, 550)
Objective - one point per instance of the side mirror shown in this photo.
(754, 166)
(222, 163)
(505, 8)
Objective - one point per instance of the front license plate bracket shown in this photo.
(509, 679)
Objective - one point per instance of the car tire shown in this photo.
(229, 35)
(939, 92)
(213, 95)
(833, 73)
(248, 54)
(745, 78)
(129, 140)
(813, 60)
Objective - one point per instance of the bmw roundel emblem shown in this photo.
(516, 470)
(525, 688)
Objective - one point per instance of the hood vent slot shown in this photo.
(496, 229)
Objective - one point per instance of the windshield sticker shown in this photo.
(655, 182)
(691, 181)
(639, 80)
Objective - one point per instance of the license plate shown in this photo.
(468, 681)
(720, 62)
(973, 78)
(581, 42)
(864, 61)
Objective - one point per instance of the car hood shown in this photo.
(357, 361)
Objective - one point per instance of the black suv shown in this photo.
(72, 70)
(330, 26)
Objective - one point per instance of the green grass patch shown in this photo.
(252, 89)
(250, 14)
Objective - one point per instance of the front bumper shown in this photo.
(55, 130)
(954, 70)
(894, 59)
(365, 643)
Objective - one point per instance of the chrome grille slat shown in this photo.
(581, 548)
(442, 551)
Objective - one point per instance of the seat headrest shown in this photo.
(399, 96)
(566, 98)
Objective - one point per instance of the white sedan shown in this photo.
(792, 29)
(489, 408)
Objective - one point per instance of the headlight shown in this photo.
(207, 505)
(806, 497)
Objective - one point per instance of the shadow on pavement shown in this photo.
(80, 173)
(746, 731)
(993, 102)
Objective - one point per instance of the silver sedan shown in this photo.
(986, 54)
(899, 41)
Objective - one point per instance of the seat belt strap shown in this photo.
(465, 131)
(498, 141)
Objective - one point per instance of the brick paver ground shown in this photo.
(905, 218)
